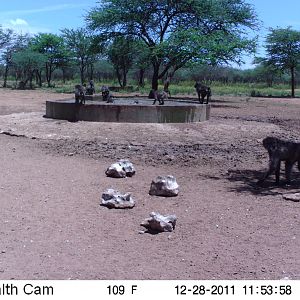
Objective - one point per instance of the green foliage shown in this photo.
(179, 32)
(121, 54)
(80, 44)
(52, 46)
(13, 43)
(26, 63)
(283, 48)
(283, 51)
(5, 36)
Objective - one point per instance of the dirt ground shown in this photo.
(52, 226)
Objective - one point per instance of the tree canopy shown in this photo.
(27, 63)
(80, 44)
(121, 54)
(283, 51)
(52, 46)
(178, 32)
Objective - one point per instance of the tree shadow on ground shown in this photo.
(245, 181)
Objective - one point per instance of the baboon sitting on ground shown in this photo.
(106, 95)
(160, 97)
(79, 94)
(280, 150)
(203, 91)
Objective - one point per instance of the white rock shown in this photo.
(164, 186)
(114, 199)
(160, 223)
(121, 169)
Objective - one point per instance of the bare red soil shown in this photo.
(52, 226)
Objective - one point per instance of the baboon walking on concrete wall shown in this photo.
(79, 94)
(106, 95)
(280, 150)
(160, 97)
(203, 92)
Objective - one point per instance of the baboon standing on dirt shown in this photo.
(202, 91)
(280, 150)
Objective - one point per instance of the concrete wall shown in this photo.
(65, 110)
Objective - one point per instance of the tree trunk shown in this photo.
(30, 81)
(91, 73)
(124, 77)
(82, 68)
(47, 74)
(293, 81)
(119, 77)
(155, 77)
(141, 77)
(81, 76)
(39, 78)
(63, 75)
(5, 76)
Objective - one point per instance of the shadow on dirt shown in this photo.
(246, 182)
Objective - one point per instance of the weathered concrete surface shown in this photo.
(95, 97)
(172, 112)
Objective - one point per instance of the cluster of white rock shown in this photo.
(165, 186)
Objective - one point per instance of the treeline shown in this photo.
(142, 38)
(157, 41)
(44, 58)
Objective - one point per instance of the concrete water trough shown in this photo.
(129, 110)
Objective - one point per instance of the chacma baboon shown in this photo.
(106, 95)
(203, 91)
(79, 94)
(166, 86)
(280, 150)
(91, 89)
(160, 97)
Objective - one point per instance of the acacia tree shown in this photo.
(283, 51)
(178, 32)
(265, 71)
(52, 46)
(5, 36)
(121, 54)
(27, 63)
(80, 44)
(141, 61)
(16, 42)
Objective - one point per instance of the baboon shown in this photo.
(160, 97)
(280, 150)
(106, 95)
(91, 89)
(79, 94)
(166, 86)
(203, 91)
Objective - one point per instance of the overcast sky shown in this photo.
(51, 16)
